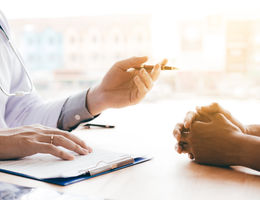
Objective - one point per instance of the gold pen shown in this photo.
(150, 67)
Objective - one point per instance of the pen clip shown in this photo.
(103, 166)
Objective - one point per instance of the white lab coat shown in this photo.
(29, 109)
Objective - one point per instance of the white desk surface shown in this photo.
(147, 129)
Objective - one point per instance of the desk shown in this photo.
(148, 128)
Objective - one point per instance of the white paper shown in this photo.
(47, 166)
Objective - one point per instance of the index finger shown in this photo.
(69, 136)
(157, 68)
(164, 62)
(189, 118)
(212, 108)
(155, 72)
(40, 147)
(177, 131)
(131, 62)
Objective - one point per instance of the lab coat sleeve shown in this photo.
(74, 112)
(31, 109)
(64, 114)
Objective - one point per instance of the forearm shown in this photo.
(249, 152)
(253, 129)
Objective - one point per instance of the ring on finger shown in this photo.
(51, 139)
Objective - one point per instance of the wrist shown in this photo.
(238, 150)
(95, 101)
(248, 149)
(4, 146)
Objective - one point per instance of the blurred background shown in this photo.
(69, 45)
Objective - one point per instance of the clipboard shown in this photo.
(91, 174)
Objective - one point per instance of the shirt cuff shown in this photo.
(74, 112)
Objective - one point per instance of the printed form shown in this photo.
(44, 166)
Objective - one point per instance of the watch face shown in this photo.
(15, 192)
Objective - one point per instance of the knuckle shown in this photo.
(215, 105)
(50, 147)
(189, 113)
(77, 147)
(25, 141)
(218, 115)
(178, 127)
(175, 133)
(59, 137)
(65, 134)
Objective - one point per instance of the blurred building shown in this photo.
(224, 53)
(238, 45)
(203, 44)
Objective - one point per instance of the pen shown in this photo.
(98, 125)
(163, 67)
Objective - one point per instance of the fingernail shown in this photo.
(176, 147)
(174, 133)
(70, 157)
(85, 151)
(199, 109)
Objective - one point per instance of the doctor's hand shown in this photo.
(28, 140)
(123, 85)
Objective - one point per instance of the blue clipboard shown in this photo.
(75, 179)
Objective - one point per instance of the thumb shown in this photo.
(220, 117)
(198, 125)
(212, 108)
(131, 62)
